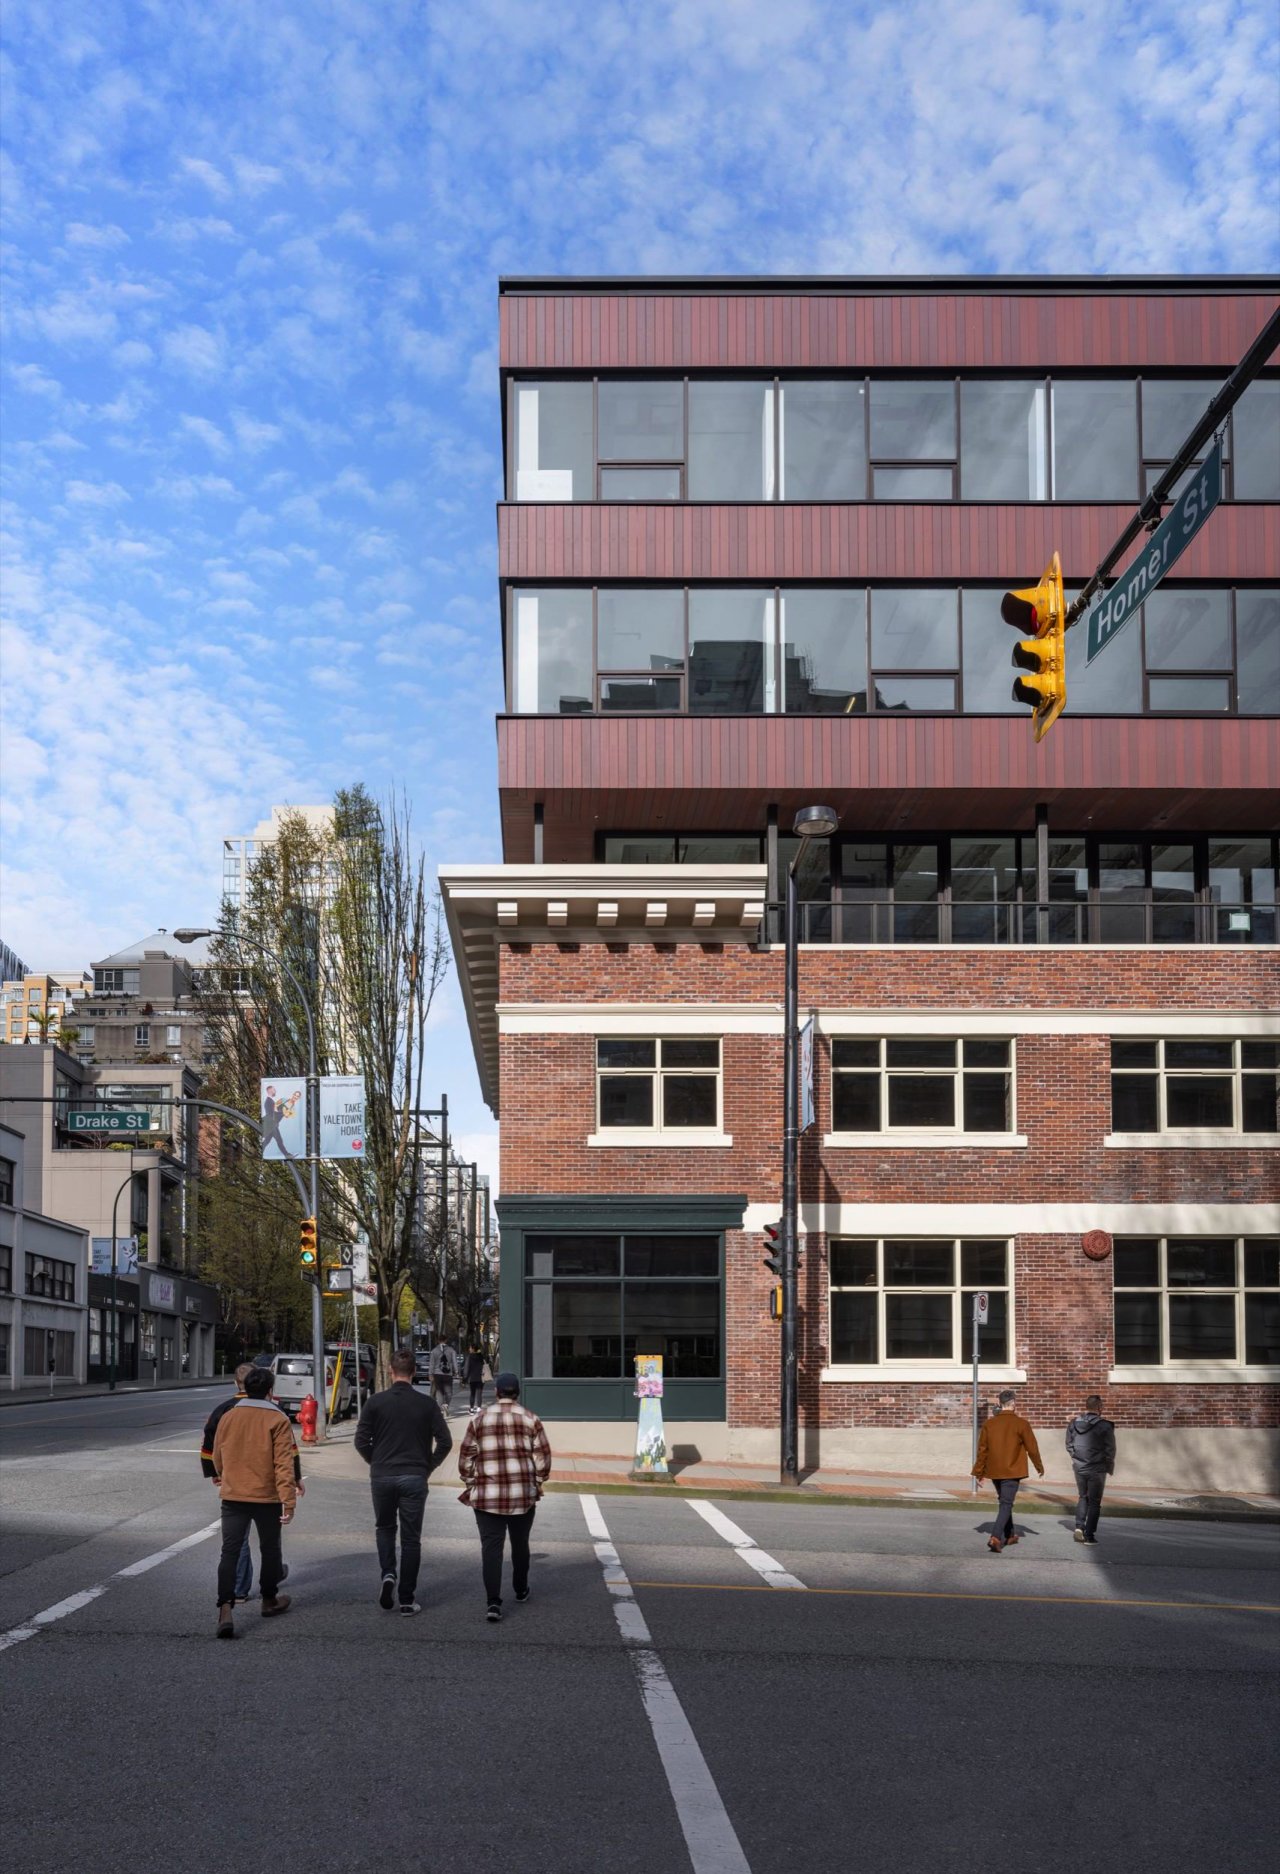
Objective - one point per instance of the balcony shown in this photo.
(884, 921)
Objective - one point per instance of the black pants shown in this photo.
(1008, 1489)
(493, 1533)
(1090, 1486)
(477, 1392)
(443, 1390)
(405, 1498)
(236, 1518)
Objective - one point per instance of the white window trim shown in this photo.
(916, 1141)
(932, 1135)
(1205, 1141)
(1208, 1375)
(634, 1136)
(921, 1369)
(923, 1374)
(1198, 1135)
(1170, 1371)
(658, 1134)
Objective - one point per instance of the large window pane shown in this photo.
(1188, 630)
(1112, 684)
(719, 849)
(853, 1330)
(1171, 407)
(573, 1330)
(641, 421)
(1202, 1327)
(553, 447)
(855, 1102)
(730, 652)
(919, 1263)
(571, 1255)
(1189, 696)
(680, 1321)
(914, 628)
(639, 484)
(626, 1100)
(984, 1264)
(994, 1337)
(918, 1327)
(1136, 1262)
(1201, 1262)
(1262, 1330)
(1197, 1100)
(689, 1100)
(1095, 440)
(1258, 649)
(730, 442)
(1137, 1330)
(1255, 424)
(640, 630)
(922, 1100)
(551, 652)
(824, 652)
(928, 695)
(913, 422)
(620, 850)
(853, 1264)
(988, 648)
(672, 1255)
(824, 448)
(635, 695)
(912, 484)
(1003, 442)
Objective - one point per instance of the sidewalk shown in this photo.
(40, 1395)
(575, 1471)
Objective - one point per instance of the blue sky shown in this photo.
(251, 438)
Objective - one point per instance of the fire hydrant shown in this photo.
(307, 1412)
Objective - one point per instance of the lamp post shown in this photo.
(810, 823)
(187, 934)
(115, 1317)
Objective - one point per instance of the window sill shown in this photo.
(944, 1374)
(1211, 1375)
(1192, 1141)
(627, 1136)
(922, 1141)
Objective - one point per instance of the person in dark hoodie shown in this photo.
(402, 1437)
(1091, 1446)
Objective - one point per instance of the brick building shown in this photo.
(751, 557)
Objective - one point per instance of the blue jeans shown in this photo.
(402, 1498)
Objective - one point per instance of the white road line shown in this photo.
(74, 1602)
(765, 1566)
(709, 1835)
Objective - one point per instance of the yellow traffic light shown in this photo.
(307, 1245)
(1040, 610)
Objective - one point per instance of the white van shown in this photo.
(293, 1381)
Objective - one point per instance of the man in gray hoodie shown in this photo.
(1091, 1446)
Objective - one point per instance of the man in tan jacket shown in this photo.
(253, 1460)
(1004, 1445)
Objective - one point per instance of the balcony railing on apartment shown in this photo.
(883, 921)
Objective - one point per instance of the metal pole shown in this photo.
(789, 1467)
(115, 1316)
(444, 1209)
(317, 1298)
(977, 1338)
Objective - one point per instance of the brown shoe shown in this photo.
(226, 1622)
(1010, 1540)
(993, 1543)
(278, 1605)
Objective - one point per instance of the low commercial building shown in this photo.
(44, 1275)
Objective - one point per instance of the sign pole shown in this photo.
(979, 1316)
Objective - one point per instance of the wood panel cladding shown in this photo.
(855, 541)
(827, 328)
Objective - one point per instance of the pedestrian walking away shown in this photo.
(1004, 1445)
(254, 1459)
(402, 1437)
(504, 1461)
(473, 1373)
(1091, 1446)
(443, 1368)
(244, 1567)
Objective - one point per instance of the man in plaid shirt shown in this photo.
(504, 1460)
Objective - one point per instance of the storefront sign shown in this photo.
(161, 1292)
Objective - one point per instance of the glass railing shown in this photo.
(885, 921)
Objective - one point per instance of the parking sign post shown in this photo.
(981, 1311)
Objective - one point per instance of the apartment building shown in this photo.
(752, 549)
(143, 1006)
(40, 1005)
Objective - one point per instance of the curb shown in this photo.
(34, 1396)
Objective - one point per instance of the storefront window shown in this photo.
(593, 1303)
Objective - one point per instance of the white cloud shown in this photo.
(253, 434)
(208, 433)
(207, 173)
(35, 382)
(102, 234)
(134, 352)
(96, 494)
(195, 349)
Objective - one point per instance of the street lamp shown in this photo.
(810, 823)
(188, 933)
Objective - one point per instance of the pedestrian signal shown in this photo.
(775, 1302)
(307, 1245)
(1041, 611)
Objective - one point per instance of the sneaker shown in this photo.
(1091, 1540)
(1080, 1535)
(410, 1607)
(493, 1611)
(387, 1593)
(522, 1594)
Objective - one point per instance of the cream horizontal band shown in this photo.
(765, 1018)
(946, 1373)
(1205, 1141)
(921, 1141)
(633, 1138)
(1206, 1375)
(1024, 1219)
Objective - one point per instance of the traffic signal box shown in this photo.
(307, 1247)
(1041, 612)
(773, 1261)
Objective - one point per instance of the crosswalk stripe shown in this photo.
(770, 1571)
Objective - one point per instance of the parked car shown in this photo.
(422, 1367)
(294, 1380)
(368, 1361)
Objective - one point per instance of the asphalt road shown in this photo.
(665, 1700)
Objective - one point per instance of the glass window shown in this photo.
(636, 695)
(664, 1086)
(1003, 442)
(730, 652)
(1195, 1086)
(1242, 890)
(913, 422)
(640, 629)
(680, 1321)
(1122, 892)
(1189, 696)
(1112, 684)
(824, 450)
(641, 421)
(1095, 440)
(824, 651)
(921, 1084)
(1171, 407)
(730, 442)
(1255, 426)
(1258, 648)
(593, 1303)
(912, 484)
(1188, 630)
(553, 443)
(988, 648)
(551, 652)
(900, 1300)
(571, 1255)
(639, 484)
(672, 1256)
(1182, 1299)
(914, 628)
(1173, 894)
(719, 849)
(930, 695)
(621, 849)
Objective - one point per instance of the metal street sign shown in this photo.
(1177, 530)
(981, 1309)
(108, 1119)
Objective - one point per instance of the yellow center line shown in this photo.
(937, 1594)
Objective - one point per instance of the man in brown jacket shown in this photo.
(1004, 1445)
(253, 1453)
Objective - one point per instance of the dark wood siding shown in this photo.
(850, 330)
(864, 540)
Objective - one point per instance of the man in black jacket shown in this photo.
(402, 1437)
(1091, 1446)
